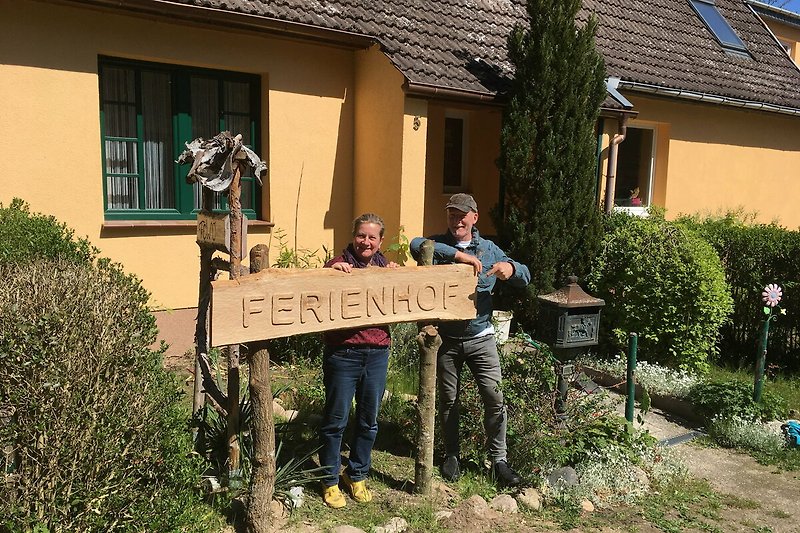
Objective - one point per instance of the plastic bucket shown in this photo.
(502, 324)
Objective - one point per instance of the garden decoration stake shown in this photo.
(771, 296)
(217, 164)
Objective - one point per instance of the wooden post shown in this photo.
(262, 427)
(235, 206)
(201, 328)
(429, 343)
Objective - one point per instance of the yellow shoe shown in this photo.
(333, 497)
(358, 489)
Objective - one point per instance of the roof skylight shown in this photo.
(718, 25)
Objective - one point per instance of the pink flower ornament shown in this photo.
(771, 295)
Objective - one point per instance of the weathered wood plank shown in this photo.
(214, 231)
(283, 302)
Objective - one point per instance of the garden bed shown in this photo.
(670, 404)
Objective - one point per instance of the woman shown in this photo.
(355, 365)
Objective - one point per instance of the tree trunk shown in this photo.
(429, 343)
(262, 484)
(235, 205)
(201, 329)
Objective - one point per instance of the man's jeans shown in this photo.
(351, 371)
(480, 354)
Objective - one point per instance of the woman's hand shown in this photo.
(467, 259)
(392, 264)
(342, 266)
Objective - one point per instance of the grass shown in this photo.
(788, 387)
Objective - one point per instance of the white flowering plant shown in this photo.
(656, 379)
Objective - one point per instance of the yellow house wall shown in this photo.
(483, 177)
(51, 144)
(390, 146)
(790, 34)
(711, 159)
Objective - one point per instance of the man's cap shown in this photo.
(463, 202)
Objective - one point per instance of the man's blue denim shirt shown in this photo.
(444, 252)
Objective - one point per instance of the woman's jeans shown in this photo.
(351, 371)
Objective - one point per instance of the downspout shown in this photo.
(598, 175)
(611, 174)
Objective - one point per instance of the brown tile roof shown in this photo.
(461, 44)
(664, 43)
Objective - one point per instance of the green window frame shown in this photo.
(147, 112)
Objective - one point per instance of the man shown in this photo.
(472, 341)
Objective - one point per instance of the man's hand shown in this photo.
(502, 270)
(392, 264)
(342, 266)
(467, 259)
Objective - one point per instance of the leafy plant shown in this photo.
(399, 247)
(289, 257)
(735, 399)
(664, 282)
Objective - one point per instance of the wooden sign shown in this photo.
(214, 231)
(282, 302)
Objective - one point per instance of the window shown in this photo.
(718, 26)
(635, 166)
(455, 151)
(147, 112)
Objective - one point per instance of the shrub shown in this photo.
(735, 399)
(25, 237)
(99, 440)
(548, 217)
(665, 283)
(754, 255)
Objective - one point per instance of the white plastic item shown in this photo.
(502, 324)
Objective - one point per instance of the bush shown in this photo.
(99, 440)
(753, 256)
(662, 281)
(735, 399)
(25, 237)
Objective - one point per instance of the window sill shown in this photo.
(643, 212)
(172, 224)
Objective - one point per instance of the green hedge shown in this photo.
(753, 256)
(664, 282)
(25, 236)
(97, 437)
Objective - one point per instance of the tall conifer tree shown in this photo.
(549, 217)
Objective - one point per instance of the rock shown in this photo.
(442, 515)
(278, 410)
(290, 414)
(563, 477)
(505, 503)
(531, 499)
(441, 489)
(474, 505)
(640, 476)
(587, 506)
(394, 525)
(346, 529)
